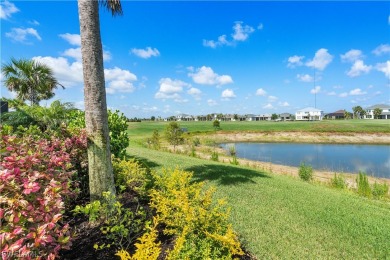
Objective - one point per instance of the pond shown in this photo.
(373, 160)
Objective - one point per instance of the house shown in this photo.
(309, 113)
(251, 117)
(339, 114)
(267, 117)
(286, 116)
(184, 117)
(384, 115)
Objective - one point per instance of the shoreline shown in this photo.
(302, 137)
(323, 176)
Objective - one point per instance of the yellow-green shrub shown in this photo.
(131, 174)
(186, 209)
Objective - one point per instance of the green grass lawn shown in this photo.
(281, 217)
(145, 129)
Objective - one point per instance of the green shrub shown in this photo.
(363, 186)
(214, 156)
(155, 140)
(193, 151)
(380, 190)
(232, 150)
(305, 172)
(118, 224)
(234, 161)
(338, 181)
(196, 141)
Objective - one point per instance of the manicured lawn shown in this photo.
(281, 217)
(145, 129)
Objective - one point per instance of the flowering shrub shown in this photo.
(34, 182)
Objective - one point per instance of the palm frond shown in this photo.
(114, 6)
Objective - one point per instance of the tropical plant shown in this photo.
(377, 112)
(173, 133)
(347, 115)
(274, 116)
(13, 102)
(31, 80)
(101, 178)
(357, 110)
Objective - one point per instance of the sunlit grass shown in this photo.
(281, 217)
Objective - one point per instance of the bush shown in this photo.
(131, 174)
(196, 141)
(363, 186)
(155, 140)
(35, 181)
(186, 211)
(380, 190)
(305, 172)
(338, 182)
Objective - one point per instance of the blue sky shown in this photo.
(165, 58)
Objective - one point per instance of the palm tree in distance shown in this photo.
(31, 80)
(101, 178)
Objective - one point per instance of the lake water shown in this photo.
(374, 160)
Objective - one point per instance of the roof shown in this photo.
(381, 106)
(310, 109)
(285, 114)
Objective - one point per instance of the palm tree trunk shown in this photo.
(101, 177)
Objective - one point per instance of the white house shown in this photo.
(384, 115)
(309, 113)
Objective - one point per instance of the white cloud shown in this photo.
(119, 80)
(196, 93)
(214, 44)
(268, 106)
(272, 98)
(68, 74)
(206, 76)
(357, 92)
(170, 89)
(73, 39)
(34, 22)
(241, 32)
(260, 26)
(384, 67)
(228, 93)
(73, 53)
(212, 102)
(120, 86)
(261, 92)
(315, 90)
(284, 104)
(305, 77)
(7, 9)
(332, 93)
(295, 61)
(344, 94)
(146, 53)
(358, 68)
(119, 74)
(382, 49)
(21, 35)
(351, 55)
(321, 60)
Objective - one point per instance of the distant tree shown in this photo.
(377, 112)
(274, 116)
(358, 112)
(347, 115)
(173, 133)
(30, 80)
(153, 118)
(235, 117)
(209, 117)
(216, 124)
(155, 140)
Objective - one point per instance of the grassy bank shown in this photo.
(145, 129)
(281, 217)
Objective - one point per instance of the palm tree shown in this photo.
(30, 80)
(101, 178)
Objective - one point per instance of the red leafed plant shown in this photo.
(35, 180)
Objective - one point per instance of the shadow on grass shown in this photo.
(150, 164)
(224, 175)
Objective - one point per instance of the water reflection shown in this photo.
(372, 159)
